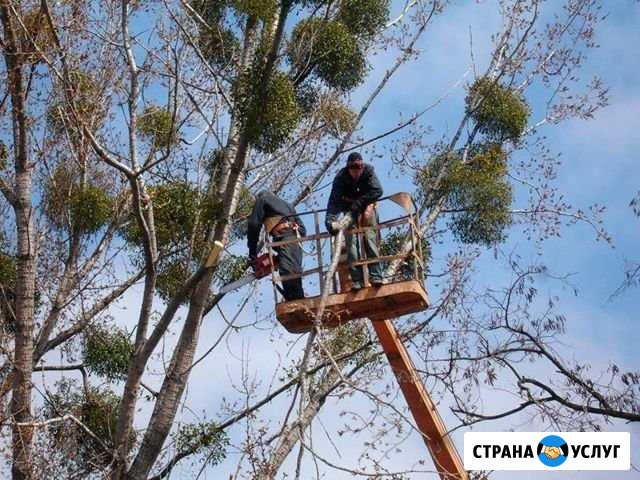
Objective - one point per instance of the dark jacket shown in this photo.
(345, 191)
(268, 205)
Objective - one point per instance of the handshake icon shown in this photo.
(552, 452)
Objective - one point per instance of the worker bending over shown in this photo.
(355, 191)
(281, 222)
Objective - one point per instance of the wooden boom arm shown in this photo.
(428, 420)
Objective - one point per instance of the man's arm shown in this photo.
(293, 216)
(373, 189)
(254, 225)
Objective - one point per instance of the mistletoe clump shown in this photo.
(307, 97)
(97, 409)
(182, 218)
(4, 154)
(91, 208)
(176, 207)
(209, 10)
(500, 113)
(172, 276)
(271, 116)
(218, 44)
(81, 207)
(7, 292)
(364, 18)
(157, 127)
(231, 268)
(246, 200)
(330, 51)
(262, 9)
(480, 196)
(7, 271)
(392, 245)
(107, 352)
(36, 35)
(99, 412)
(202, 438)
(89, 112)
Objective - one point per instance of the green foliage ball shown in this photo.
(100, 414)
(500, 113)
(331, 50)
(175, 208)
(156, 126)
(211, 11)
(202, 438)
(7, 271)
(246, 201)
(171, 278)
(38, 37)
(4, 154)
(307, 97)
(231, 268)
(90, 112)
(218, 45)
(346, 338)
(107, 352)
(97, 409)
(262, 9)
(364, 18)
(84, 208)
(270, 118)
(481, 193)
(338, 117)
(90, 208)
(7, 293)
(392, 243)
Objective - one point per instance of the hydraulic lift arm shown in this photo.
(428, 420)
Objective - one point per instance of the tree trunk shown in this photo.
(173, 385)
(23, 356)
(25, 268)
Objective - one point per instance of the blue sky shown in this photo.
(599, 166)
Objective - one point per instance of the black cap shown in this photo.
(354, 157)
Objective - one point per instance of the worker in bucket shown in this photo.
(281, 223)
(355, 191)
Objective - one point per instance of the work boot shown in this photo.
(377, 282)
(355, 286)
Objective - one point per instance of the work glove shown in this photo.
(328, 223)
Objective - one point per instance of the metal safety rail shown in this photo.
(408, 222)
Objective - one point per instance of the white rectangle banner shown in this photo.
(547, 451)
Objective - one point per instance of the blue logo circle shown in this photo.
(553, 451)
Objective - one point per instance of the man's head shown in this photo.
(355, 165)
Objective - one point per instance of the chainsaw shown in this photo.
(263, 267)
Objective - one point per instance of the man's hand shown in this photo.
(252, 262)
(552, 452)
